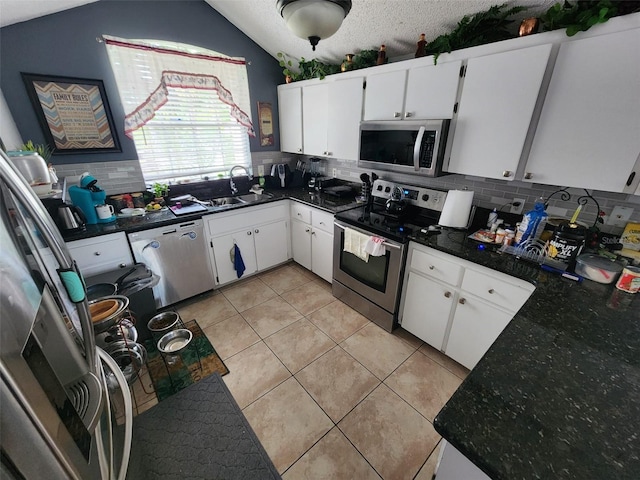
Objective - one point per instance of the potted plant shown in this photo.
(286, 63)
(41, 149)
(160, 190)
(583, 14)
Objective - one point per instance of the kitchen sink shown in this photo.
(239, 199)
(225, 201)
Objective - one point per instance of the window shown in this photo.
(187, 109)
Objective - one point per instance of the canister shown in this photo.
(629, 280)
(567, 242)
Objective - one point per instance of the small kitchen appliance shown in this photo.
(87, 197)
(281, 173)
(70, 218)
(411, 147)
(34, 170)
(373, 287)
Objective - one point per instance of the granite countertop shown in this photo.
(166, 217)
(558, 393)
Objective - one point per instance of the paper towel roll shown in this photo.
(457, 208)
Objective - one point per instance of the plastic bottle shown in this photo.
(533, 223)
(493, 216)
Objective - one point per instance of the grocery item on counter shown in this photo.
(629, 280)
(532, 224)
(493, 216)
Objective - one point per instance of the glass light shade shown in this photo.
(313, 18)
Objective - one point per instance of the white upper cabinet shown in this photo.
(290, 118)
(588, 135)
(345, 114)
(498, 98)
(426, 92)
(331, 113)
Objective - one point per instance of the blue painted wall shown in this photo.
(65, 44)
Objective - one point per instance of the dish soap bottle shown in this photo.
(532, 224)
(493, 216)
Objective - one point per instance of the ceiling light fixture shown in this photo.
(313, 19)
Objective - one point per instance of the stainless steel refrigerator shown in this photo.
(56, 415)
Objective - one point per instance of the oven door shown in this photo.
(378, 279)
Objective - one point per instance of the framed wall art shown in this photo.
(265, 115)
(73, 112)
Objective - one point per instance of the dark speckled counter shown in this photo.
(165, 217)
(558, 394)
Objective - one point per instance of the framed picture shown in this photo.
(73, 112)
(265, 116)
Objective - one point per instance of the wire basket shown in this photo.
(535, 251)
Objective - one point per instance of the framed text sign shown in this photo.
(73, 113)
(265, 115)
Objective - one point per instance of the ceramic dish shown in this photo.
(132, 212)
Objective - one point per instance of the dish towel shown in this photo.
(355, 243)
(375, 247)
(238, 263)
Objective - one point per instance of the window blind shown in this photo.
(187, 108)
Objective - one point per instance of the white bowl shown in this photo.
(133, 211)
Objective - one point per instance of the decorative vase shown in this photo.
(382, 55)
(420, 46)
(528, 26)
(348, 63)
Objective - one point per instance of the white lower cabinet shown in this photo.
(312, 239)
(101, 254)
(261, 234)
(457, 306)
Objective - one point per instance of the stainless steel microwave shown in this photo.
(416, 147)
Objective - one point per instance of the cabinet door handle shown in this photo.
(447, 294)
(431, 267)
(528, 176)
(257, 231)
(491, 291)
(630, 179)
(506, 173)
(97, 254)
(462, 301)
(397, 114)
(408, 115)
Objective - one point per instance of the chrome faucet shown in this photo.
(232, 184)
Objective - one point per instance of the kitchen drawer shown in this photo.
(503, 290)
(322, 220)
(436, 267)
(101, 254)
(301, 212)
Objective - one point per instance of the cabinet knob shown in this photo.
(491, 291)
(322, 223)
(307, 230)
(408, 115)
(299, 214)
(506, 173)
(325, 153)
(97, 254)
(431, 267)
(447, 294)
(257, 231)
(397, 114)
(462, 301)
(313, 233)
(328, 154)
(528, 176)
(122, 265)
(300, 150)
(249, 232)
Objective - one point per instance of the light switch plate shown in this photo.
(520, 208)
(619, 216)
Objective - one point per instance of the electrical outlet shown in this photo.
(334, 172)
(261, 170)
(520, 208)
(619, 216)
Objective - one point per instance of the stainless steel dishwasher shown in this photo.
(178, 255)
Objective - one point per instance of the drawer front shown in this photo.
(248, 217)
(436, 267)
(101, 254)
(300, 212)
(322, 221)
(505, 291)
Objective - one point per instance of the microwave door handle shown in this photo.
(416, 149)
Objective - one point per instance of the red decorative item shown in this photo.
(421, 46)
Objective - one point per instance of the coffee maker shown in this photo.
(87, 197)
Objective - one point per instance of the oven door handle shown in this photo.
(385, 243)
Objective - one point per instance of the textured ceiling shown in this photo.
(395, 23)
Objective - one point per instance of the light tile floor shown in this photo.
(329, 394)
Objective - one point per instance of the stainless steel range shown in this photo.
(395, 211)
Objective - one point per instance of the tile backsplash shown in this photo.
(126, 176)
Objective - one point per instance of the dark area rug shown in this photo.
(198, 433)
(169, 378)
